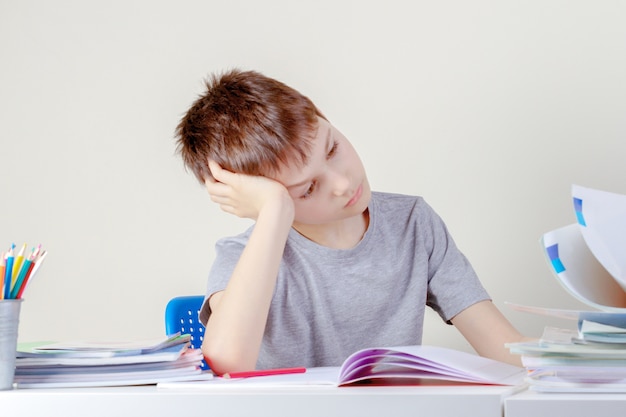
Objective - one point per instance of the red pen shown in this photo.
(264, 372)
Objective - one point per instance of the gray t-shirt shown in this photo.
(328, 303)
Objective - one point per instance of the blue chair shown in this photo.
(181, 315)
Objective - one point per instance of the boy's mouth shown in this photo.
(355, 197)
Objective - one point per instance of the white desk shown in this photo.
(468, 401)
(535, 404)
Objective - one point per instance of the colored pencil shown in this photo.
(20, 281)
(264, 372)
(17, 264)
(2, 267)
(8, 272)
(17, 271)
(34, 266)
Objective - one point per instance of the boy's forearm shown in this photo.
(487, 330)
(237, 323)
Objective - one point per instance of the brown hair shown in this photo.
(247, 123)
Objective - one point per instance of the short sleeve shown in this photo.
(227, 254)
(453, 284)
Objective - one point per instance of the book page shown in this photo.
(602, 219)
(576, 268)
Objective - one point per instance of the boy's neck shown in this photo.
(344, 234)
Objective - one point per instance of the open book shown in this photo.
(407, 365)
(426, 365)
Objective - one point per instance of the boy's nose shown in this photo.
(341, 183)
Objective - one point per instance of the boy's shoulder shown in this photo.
(400, 207)
(395, 199)
(239, 240)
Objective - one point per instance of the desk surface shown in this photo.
(467, 401)
(537, 404)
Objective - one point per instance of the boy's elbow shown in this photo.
(222, 360)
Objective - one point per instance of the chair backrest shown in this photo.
(181, 315)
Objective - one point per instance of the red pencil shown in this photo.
(23, 286)
(264, 372)
(32, 270)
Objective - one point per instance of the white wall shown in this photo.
(488, 109)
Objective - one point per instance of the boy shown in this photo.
(329, 266)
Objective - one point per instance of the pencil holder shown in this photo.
(9, 321)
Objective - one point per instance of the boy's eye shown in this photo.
(313, 185)
(309, 191)
(333, 150)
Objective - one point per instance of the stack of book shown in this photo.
(592, 359)
(587, 259)
(97, 364)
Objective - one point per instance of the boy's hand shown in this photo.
(245, 195)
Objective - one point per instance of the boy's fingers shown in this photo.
(228, 209)
(215, 182)
(209, 180)
(210, 183)
(214, 167)
(215, 187)
(219, 173)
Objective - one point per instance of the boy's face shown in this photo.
(333, 185)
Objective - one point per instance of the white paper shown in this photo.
(543, 311)
(579, 272)
(122, 380)
(587, 326)
(602, 221)
(139, 346)
(167, 354)
(598, 351)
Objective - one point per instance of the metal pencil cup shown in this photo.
(9, 321)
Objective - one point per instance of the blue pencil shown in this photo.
(20, 278)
